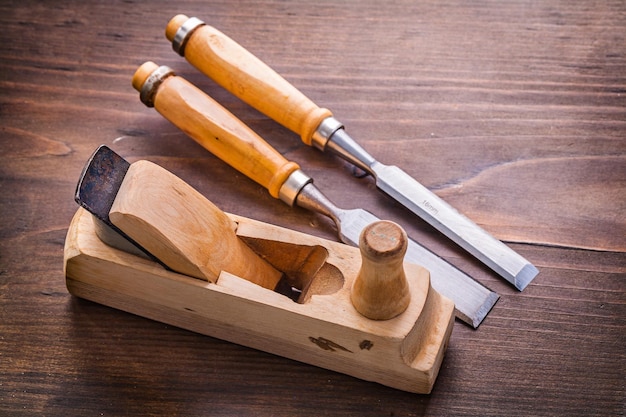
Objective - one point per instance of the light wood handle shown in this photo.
(216, 129)
(381, 290)
(184, 230)
(247, 77)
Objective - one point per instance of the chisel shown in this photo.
(247, 77)
(220, 132)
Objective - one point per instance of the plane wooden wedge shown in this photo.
(247, 77)
(360, 311)
(220, 132)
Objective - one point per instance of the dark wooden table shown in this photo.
(514, 112)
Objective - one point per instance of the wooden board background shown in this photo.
(514, 112)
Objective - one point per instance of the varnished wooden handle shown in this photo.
(247, 77)
(381, 290)
(215, 128)
(183, 229)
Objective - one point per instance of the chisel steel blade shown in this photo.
(427, 205)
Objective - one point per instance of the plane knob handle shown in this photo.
(381, 290)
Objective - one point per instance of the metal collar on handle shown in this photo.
(324, 131)
(150, 86)
(183, 33)
(291, 188)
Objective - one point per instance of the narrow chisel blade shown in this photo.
(467, 234)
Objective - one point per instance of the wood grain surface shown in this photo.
(514, 112)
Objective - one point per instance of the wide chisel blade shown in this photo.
(443, 217)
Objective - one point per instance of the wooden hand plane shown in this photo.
(360, 311)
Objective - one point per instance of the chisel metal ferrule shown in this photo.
(151, 85)
(345, 147)
(331, 135)
(292, 186)
(324, 131)
(183, 33)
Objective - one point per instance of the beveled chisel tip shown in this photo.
(489, 301)
(525, 275)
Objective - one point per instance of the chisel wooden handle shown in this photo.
(212, 126)
(245, 76)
